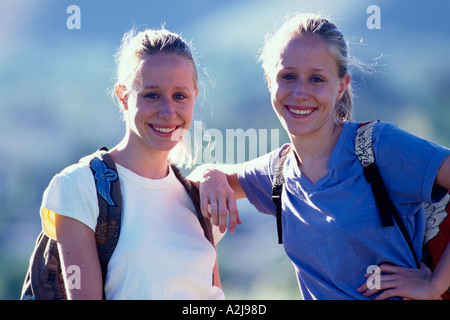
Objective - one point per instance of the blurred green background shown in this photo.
(55, 105)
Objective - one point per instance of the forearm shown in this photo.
(213, 173)
(441, 276)
(78, 254)
(440, 280)
(219, 188)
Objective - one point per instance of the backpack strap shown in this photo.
(388, 212)
(277, 188)
(364, 151)
(109, 199)
(193, 194)
(44, 279)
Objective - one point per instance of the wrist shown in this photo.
(437, 287)
(197, 175)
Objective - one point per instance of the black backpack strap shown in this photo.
(109, 198)
(364, 151)
(277, 188)
(388, 212)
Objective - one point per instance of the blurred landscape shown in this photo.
(55, 105)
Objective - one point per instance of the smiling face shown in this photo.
(159, 109)
(305, 85)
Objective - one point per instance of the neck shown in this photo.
(147, 163)
(313, 151)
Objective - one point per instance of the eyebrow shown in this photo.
(313, 69)
(157, 87)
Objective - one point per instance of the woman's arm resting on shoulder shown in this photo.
(219, 188)
(77, 247)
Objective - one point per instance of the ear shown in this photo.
(343, 84)
(196, 92)
(268, 81)
(121, 95)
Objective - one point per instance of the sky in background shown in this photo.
(55, 102)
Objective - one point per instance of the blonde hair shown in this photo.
(137, 46)
(301, 24)
(134, 49)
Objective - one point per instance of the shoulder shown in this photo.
(277, 157)
(384, 128)
(263, 167)
(72, 193)
(75, 174)
(76, 169)
(257, 175)
(381, 134)
(388, 136)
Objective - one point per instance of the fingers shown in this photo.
(234, 213)
(218, 200)
(221, 207)
(393, 281)
(381, 279)
(384, 283)
(205, 207)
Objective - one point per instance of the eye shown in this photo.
(316, 79)
(151, 95)
(179, 96)
(288, 76)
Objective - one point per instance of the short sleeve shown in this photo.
(70, 193)
(256, 177)
(408, 164)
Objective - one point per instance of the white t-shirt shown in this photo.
(162, 252)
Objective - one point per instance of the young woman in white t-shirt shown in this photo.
(162, 252)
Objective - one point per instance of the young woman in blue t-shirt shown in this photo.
(331, 225)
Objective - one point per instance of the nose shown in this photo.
(300, 89)
(167, 110)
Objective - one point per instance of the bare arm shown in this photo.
(443, 176)
(440, 281)
(219, 189)
(216, 274)
(77, 247)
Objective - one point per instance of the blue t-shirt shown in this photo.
(332, 229)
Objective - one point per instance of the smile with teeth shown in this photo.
(163, 130)
(303, 111)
